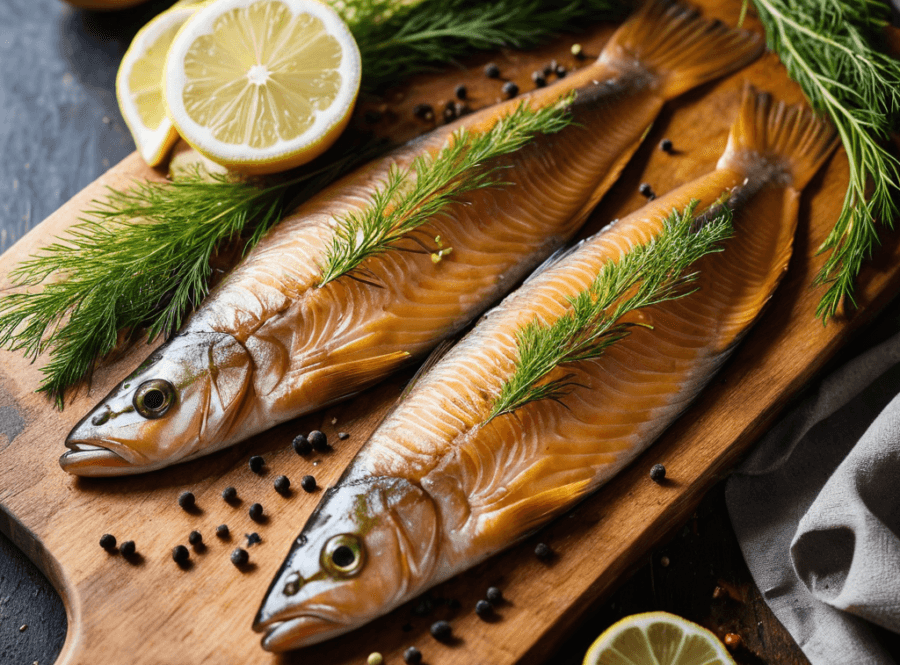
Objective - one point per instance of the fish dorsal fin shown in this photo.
(433, 359)
(553, 259)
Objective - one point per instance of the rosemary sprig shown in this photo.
(646, 275)
(139, 259)
(410, 197)
(833, 50)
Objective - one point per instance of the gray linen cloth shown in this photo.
(816, 509)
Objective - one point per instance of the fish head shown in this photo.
(180, 402)
(369, 546)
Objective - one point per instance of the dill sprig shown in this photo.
(397, 37)
(833, 50)
(139, 259)
(412, 196)
(644, 276)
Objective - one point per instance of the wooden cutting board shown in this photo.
(148, 610)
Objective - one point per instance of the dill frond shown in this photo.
(834, 51)
(410, 197)
(646, 275)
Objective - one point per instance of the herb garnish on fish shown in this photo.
(646, 275)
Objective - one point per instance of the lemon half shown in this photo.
(262, 85)
(139, 84)
(657, 638)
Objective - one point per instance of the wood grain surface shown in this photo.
(148, 610)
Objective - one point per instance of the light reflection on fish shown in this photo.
(268, 344)
(439, 487)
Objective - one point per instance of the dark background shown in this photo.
(60, 128)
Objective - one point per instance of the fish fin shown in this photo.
(523, 512)
(434, 357)
(557, 256)
(767, 133)
(680, 47)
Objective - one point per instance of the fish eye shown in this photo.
(343, 555)
(153, 398)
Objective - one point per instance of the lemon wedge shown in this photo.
(139, 84)
(262, 85)
(657, 638)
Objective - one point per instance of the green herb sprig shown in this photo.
(411, 197)
(833, 50)
(646, 275)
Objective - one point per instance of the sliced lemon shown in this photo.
(262, 85)
(139, 84)
(657, 638)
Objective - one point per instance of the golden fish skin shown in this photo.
(298, 347)
(439, 486)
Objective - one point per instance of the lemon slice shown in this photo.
(262, 85)
(657, 638)
(139, 84)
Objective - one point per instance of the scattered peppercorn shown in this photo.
(461, 91)
(127, 548)
(510, 89)
(658, 473)
(491, 70)
(301, 445)
(318, 440)
(548, 69)
(423, 111)
(256, 463)
(239, 557)
(343, 436)
(195, 538)
(229, 494)
(256, 512)
(108, 541)
(543, 552)
(646, 190)
(412, 656)
(577, 51)
(441, 630)
(222, 531)
(494, 595)
(283, 485)
(375, 658)
(664, 561)
(733, 640)
(308, 484)
(483, 609)
(665, 145)
(252, 539)
(187, 500)
(450, 114)
(538, 78)
(462, 109)
(180, 554)
(560, 71)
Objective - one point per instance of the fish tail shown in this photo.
(768, 133)
(680, 47)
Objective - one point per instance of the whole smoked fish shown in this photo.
(270, 343)
(440, 485)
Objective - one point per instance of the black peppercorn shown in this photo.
(318, 440)
(180, 554)
(483, 608)
(229, 494)
(195, 538)
(646, 190)
(665, 145)
(127, 548)
(560, 71)
(539, 80)
(449, 114)
(252, 539)
(548, 69)
(543, 552)
(461, 91)
(423, 111)
(461, 110)
(256, 512)
(510, 89)
(491, 70)
(658, 473)
(301, 445)
(256, 463)
(343, 436)
(222, 531)
(412, 656)
(308, 484)
(240, 557)
(494, 595)
(186, 500)
(282, 485)
(108, 541)
(441, 630)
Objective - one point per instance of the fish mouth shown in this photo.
(301, 631)
(89, 459)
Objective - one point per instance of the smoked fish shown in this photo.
(440, 485)
(271, 342)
